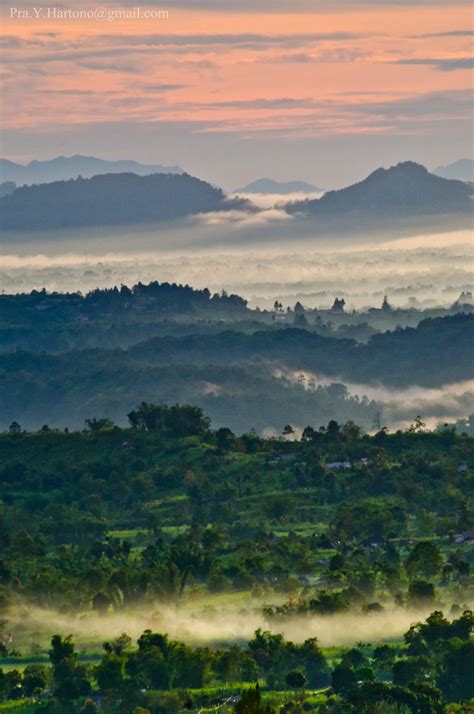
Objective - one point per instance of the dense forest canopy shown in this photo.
(165, 342)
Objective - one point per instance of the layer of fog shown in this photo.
(425, 272)
(399, 407)
(211, 624)
(272, 200)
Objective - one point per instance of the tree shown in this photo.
(333, 430)
(34, 679)
(412, 669)
(185, 420)
(70, 680)
(456, 678)
(379, 697)
(309, 434)
(343, 679)
(225, 439)
(102, 424)
(337, 563)
(417, 426)
(251, 703)
(101, 602)
(14, 428)
(351, 431)
(425, 560)
(119, 645)
(295, 679)
(147, 416)
(354, 658)
(176, 421)
(300, 320)
(329, 603)
(109, 673)
(383, 653)
(315, 664)
(421, 593)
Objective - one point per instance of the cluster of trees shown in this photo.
(367, 520)
(175, 421)
(167, 299)
(157, 675)
(119, 317)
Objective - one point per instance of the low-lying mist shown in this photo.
(212, 624)
(425, 273)
(398, 407)
(276, 200)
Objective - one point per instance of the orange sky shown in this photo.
(376, 70)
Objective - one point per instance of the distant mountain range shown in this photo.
(67, 167)
(404, 190)
(269, 186)
(384, 198)
(111, 199)
(462, 170)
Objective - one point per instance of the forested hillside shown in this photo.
(239, 378)
(109, 199)
(171, 519)
(406, 189)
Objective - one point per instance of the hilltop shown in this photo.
(405, 190)
(111, 199)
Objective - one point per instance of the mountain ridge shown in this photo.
(111, 199)
(62, 168)
(404, 190)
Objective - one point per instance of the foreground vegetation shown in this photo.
(170, 527)
(432, 666)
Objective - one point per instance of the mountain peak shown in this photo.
(402, 168)
(406, 189)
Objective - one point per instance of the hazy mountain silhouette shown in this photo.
(267, 185)
(406, 190)
(462, 170)
(111, 199)
(66, 167)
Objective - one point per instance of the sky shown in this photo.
(316, 90)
